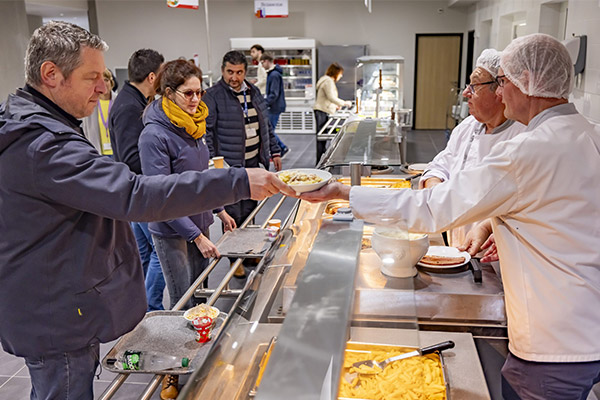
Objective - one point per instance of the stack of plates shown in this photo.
(417, 168)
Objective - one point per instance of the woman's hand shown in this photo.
(228, 222)
(206, 247)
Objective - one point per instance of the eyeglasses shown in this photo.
(472, 86)
(500, 80)
(189, 94)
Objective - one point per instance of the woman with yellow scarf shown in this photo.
(173, 142)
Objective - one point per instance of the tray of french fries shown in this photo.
(420, 377)
(389, 183)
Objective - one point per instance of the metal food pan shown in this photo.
(164, 332)
(261, 356)
(358, 345)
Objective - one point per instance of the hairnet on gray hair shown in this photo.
(61, 43)
(489, 60)
(539, 65)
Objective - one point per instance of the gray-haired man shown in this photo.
(70, 273)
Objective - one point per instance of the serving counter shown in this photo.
(320, 286)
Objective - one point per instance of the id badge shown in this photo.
(250, 132)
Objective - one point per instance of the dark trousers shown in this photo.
(67, 376)
(548, 380)
(321, 119)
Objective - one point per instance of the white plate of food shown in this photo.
(304, 179)
(419, 167)
(444, 257)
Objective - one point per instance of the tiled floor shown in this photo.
(14, 376)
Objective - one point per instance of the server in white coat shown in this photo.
(545, 218)
(473, 138)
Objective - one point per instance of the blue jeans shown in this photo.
(155, 283)
(67, 376)
(182, 263)
(273, 118)
(548, 380)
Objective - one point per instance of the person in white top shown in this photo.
(541, 191)
(473, 138)
(327, 101)
(256, 52)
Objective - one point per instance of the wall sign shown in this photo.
(271, 8)
(193, 4)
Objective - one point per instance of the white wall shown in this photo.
(14, 34)
(390, 30)
(583, 18)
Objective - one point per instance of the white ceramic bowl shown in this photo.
(309, 187)
(399, 251)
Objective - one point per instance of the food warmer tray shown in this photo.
(165, 332)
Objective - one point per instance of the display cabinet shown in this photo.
(297, 58)
(379, 85)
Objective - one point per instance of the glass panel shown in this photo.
(375, 142)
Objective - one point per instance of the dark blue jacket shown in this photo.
(70, 271)
(225, 128)
(275, 96)
(125, 125)
(167, 149)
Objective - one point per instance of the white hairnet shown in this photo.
(539, 66)
(489, 60)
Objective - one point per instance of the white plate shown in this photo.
(419, 167)
(443, 251)
(302, 188)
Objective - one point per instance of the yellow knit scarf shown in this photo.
(195, 125)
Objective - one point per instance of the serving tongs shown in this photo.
(377, 367)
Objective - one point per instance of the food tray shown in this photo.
(244, 242)
(261, 358)
(165, 332)
(367, 347)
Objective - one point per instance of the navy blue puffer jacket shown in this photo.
(225, 129)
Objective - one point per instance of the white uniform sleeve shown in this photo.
(473, 195)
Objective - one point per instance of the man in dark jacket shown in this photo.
(237, 127)
(275, 95)
(125, 126)
(70, 274)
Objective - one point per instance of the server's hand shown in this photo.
(333, 190)
(265, 184)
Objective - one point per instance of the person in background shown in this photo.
(544, 219)
(125, 126)
(95, 127)
(476, 136)
(274, 95)
(327, 101)
(260, 82)
(65, 212)
(238, 128)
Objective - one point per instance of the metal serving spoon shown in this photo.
(374, 365)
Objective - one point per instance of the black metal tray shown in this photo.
(165, 332)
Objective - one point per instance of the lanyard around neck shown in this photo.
(104, 121)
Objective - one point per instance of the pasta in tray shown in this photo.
(299, 178)
(414, 378)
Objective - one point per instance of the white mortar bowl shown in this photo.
(399, 251)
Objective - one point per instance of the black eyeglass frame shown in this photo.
(500, 80)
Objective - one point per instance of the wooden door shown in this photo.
(437, 70)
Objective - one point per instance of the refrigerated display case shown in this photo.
(379, 85)
(297, 58)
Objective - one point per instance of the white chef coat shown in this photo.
(543, 189)
(468, 145)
